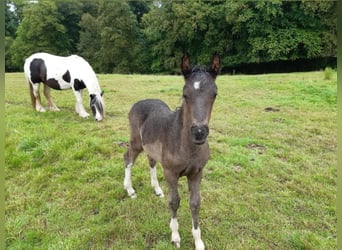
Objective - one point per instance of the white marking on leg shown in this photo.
(175, 238)
(79, 105)
(197, 85)
(128, 182)
(196, 233)
(154, 182)
(39, 106)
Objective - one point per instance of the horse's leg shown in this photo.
(79, 104)
(35, 89)
(52, 105)
(195, 203)
(174, 200)
(33, 98)
(154, 180)
(132, 153)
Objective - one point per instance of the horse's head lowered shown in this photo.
(96, 106)
(199, 94)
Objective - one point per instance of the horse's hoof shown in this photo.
(54, 109)
(84, 116)
(41, 109)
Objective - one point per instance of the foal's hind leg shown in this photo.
(154, 180)
(132, 153)
(52, 105)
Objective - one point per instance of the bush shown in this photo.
(328, 73)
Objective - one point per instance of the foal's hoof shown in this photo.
(131, 193)
(176, 243)
(175, 239)
(159, 192)
(133, 196)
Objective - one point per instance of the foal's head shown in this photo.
(199, 94)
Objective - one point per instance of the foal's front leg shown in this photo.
(195, 203)
(174, 200)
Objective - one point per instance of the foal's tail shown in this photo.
(33, 98)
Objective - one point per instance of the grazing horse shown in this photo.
(61, 73)
(176, 139)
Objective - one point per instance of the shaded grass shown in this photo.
(270, 182)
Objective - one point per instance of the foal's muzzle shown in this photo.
(199, 133)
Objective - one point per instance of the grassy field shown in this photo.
(270, 182)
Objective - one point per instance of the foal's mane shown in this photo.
(198, 68)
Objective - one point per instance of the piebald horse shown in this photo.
(176, 139)
(61, 73)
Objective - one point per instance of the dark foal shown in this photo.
(178, 140)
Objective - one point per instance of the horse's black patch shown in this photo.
(53, 83)
(79, 84)
(38, 71)
(66, 76)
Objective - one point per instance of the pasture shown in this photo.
(270, 182)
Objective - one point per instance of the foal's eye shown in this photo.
(185, 96)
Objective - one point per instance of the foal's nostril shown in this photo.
(199, 133)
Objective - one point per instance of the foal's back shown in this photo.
(149, 121)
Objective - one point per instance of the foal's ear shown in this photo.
(185, 65)
(102, 92)
(215, 65)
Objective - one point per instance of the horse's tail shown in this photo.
(33, 98)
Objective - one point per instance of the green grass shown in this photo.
(270, 182)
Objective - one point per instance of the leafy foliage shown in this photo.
(40, 30)
(148, 36)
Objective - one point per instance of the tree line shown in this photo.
(147, 36)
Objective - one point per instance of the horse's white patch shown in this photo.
(197, 85)
(175, 238)
(154, 182)
(196, 233)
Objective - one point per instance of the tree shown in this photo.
(89, 45)
(119, 33)
(173, 27)
(150, 36)
(265, 31)
(40, 30)
(13, 16)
